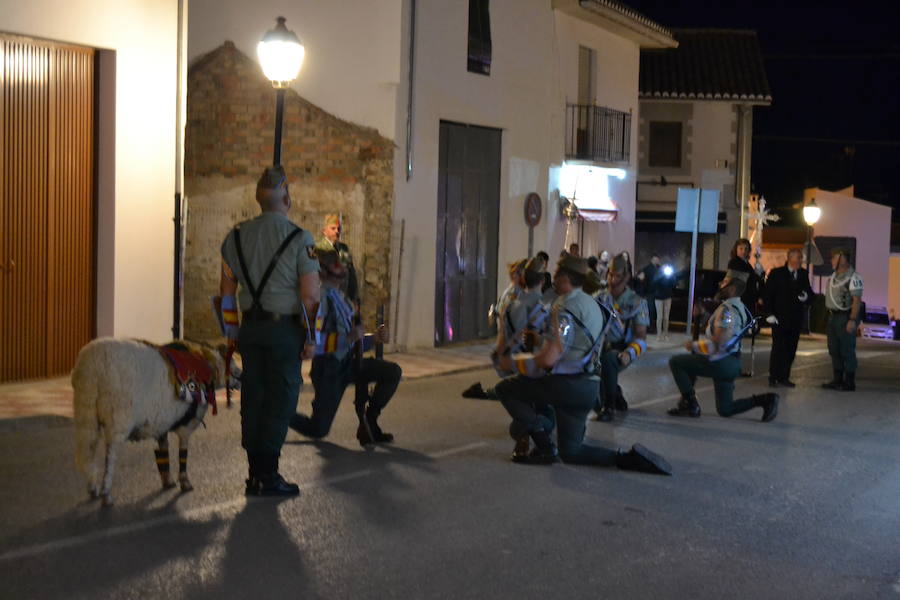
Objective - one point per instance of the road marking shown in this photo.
(457, 450)
(188, 515)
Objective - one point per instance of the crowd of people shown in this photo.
(564, 340)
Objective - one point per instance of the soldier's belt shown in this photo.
(839, 312)
(265, 316)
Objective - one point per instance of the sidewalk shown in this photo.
(54, 396)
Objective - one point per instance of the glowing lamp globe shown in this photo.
(811, 213)
(668, 270)
(281, 54)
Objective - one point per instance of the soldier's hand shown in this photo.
(851, 326)
(309, 351)
(382, 334)
(624, 359)
(689, 346)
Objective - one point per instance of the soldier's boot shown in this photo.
(643, 460)
(686, 407)
(606, 413)
(543, 453)
(271, 483)
(377, 436)
(837, 383)
(621, 404)
(475, 391)
(849, 382)
(252, 482)
(769, 404)
(520, 452)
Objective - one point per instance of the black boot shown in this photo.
(606, 414)
(475, 391)
(543, 453)
(837, 383)
(372, 432)
(769, 404)
(252, 482)
(621, 404)
(686, 407)
(520, 452)
(271, 481)
(849, 382)
(643, 460)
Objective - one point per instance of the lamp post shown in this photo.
(811, 214)
(281, 54)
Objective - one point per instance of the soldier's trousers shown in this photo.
(330, 378)
(270, 384)
(687, 367)
(571, 397)
(841, 345)
(610, 367)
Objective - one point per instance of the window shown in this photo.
(479, 37)
(585, 75)
(665, 143)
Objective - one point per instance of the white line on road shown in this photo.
(192, 514)
(457, 450)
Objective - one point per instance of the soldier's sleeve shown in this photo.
(228, 252)
(856, 285)
(307, 262)
(643, 314)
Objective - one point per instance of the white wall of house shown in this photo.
(137, 148)
(870, 224)
(352, 64)
(533, 71)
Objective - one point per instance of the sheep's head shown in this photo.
(216, 357)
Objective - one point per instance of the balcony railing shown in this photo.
(597, 134)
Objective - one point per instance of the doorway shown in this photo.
(47, 207)
(468, 220)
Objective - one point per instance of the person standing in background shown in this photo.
(644, 286)
(785, 295)
(843, 299)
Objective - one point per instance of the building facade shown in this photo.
(696, 128)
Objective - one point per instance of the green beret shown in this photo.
(272, 178)
(516, 267)
(575, 264)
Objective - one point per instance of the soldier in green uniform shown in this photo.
(843, 297)
(718, 356)
(625, 338)
(562, 374)
(272, 265)
(333, 367)
(331, 240)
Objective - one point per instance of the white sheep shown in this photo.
(123, 391)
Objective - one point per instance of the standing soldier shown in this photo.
(562, 375)
(331, 240)
(272, 263)
(333, 367)
(718, 356)
(625, 340)
(843, 298)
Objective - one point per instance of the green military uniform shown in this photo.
(631, 311)
(272, 330)
(839, 294)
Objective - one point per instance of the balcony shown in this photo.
(597, 134)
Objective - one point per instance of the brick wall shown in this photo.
(332, 166)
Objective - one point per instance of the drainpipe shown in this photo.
(410, 83)
(179, 218)
(745, 147)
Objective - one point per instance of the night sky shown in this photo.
(834, 70)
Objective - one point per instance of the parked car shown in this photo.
(876, 323)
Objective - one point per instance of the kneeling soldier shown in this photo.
(718, 356)
(561, 374)
(333, 368)
(625, 340)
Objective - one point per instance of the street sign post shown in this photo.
(533, 210)
(697, 212)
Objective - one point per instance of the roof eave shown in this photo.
(755, 100)
(629, 24)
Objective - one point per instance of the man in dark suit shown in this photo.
(786, 293)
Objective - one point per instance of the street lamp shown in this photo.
(811, 214)
(280, 53)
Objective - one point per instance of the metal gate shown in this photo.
(467, 229)
(46, 206)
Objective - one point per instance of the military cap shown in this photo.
(621, 262)
(841, 250)
(536, 265)
(733, 274)
(575, 264)
(516, 267)
(593, 282)
(272, 178)
(332, 219)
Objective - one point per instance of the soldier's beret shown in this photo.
(516, 267)
(536, 265)
(841, 250)
(332, 219)
(592, 282)
(272, 178)
(621, 262)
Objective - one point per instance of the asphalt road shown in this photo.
(805, 507)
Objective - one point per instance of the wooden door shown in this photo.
(47, 238)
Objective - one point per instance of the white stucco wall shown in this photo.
(524, 97)
(870, 224)
(352, 64)
(137, 196)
